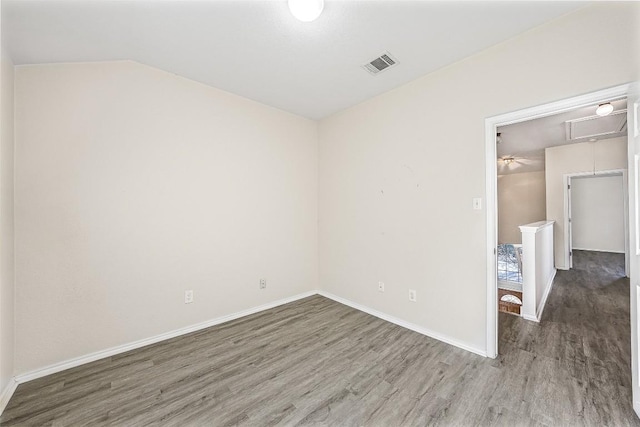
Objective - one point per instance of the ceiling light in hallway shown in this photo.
(604, 109)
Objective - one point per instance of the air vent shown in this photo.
(381, 63)
(596, 126)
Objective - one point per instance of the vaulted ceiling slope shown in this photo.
(256, 49)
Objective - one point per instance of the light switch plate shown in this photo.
(477, 203)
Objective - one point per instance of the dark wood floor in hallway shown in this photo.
(576, 363)
(317, 362)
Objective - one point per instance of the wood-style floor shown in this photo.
(317, 362)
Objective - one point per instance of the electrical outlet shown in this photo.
(381, 286)
(188, 297)
(412, 295)
(263, 283)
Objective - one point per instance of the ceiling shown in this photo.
(256, 49)
(526, 141)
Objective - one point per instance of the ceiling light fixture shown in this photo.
(508, 160)
(604, 109)
(306, 10)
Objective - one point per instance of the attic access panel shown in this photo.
(595, 126)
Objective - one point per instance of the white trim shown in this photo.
(633, 99)
(636, 158)
(534, 227)
(561, 106)
(491, 198)
(540, 308)
(546, 295)
(404, 324)
(72, 363)
(491, 178)
(529, 317)
(7, 393)
(567, 238)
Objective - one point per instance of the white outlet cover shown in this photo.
(381, 286)
(188, 297)
(412, 295)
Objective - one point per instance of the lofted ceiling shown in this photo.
(526, 141)
(256, 49)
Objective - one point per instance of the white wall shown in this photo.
(597, 213)
(6, 221)
(133, 185)
(608, 154)
(398, 172)
(521, 200)
(545, 270)
(538, 269)
(136, 184)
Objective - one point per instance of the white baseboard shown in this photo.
(540, 308)
(404, 324)
(546, 295)
(72, 363)
(7, 393)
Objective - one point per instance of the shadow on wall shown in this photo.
(521, 200)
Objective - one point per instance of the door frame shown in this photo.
(568, 237)
(491, 184)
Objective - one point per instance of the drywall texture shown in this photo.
(597, 213)
(608, 154)
(134, 185)
(398, 172)
(6, 221)
(521, 200)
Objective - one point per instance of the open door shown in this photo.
(633, 126)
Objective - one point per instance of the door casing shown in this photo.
(568, 259)
(491, 177)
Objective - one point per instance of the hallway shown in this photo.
(582, 345)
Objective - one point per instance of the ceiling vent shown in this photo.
(381, 63)
(596, 126)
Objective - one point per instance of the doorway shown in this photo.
(491, 127)
(597, 214)
(632, 93)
